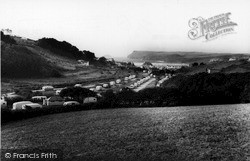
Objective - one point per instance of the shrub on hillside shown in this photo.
(61, 48)
(7, 39)
(77, 93)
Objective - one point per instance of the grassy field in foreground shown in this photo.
(179, 133)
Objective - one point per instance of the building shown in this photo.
(212, 70)
(48, 91)
(147, 65)
(83, 63)
(215, 60)
(232, 59)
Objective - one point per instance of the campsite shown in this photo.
(144, 80)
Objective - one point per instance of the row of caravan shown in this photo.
(40, 101)
(112, 83)
(139, 82)
(58, 101)
(162, 80)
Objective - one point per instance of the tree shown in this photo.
(245, 95)
(77, 93)
(147, 65)
(102, 60)
(131, 64)
(7, 39)
(88, 55)
(126, 96)
(62, 48)
(108, 99)
(195, 64)
(26, 93)
(65, 49)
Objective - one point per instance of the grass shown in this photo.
(178, 133)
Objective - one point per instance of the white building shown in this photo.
(83, 63)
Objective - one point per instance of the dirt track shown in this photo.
(150, 83)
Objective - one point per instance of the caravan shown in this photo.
(90, 100)
(31, 106)
(20, 105)
(38, 99)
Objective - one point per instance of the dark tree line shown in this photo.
(64, 48)
(198, 89)
(216, 88)
(161, 72)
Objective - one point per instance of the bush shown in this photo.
(7, 39)
(77, 93)
(214, 88)
(108, 100)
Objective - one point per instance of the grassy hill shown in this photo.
(46, 57)
(182, 57)
(238, 66)
(17, 61)
(24, 58)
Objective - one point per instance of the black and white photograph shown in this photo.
(125, 80)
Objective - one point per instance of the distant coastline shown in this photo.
(139, 62)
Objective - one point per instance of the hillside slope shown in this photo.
(238, 66)
(181, 57)
(25, 58)
(17, 61)
(28, 65)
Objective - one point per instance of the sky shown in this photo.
(118, 27)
